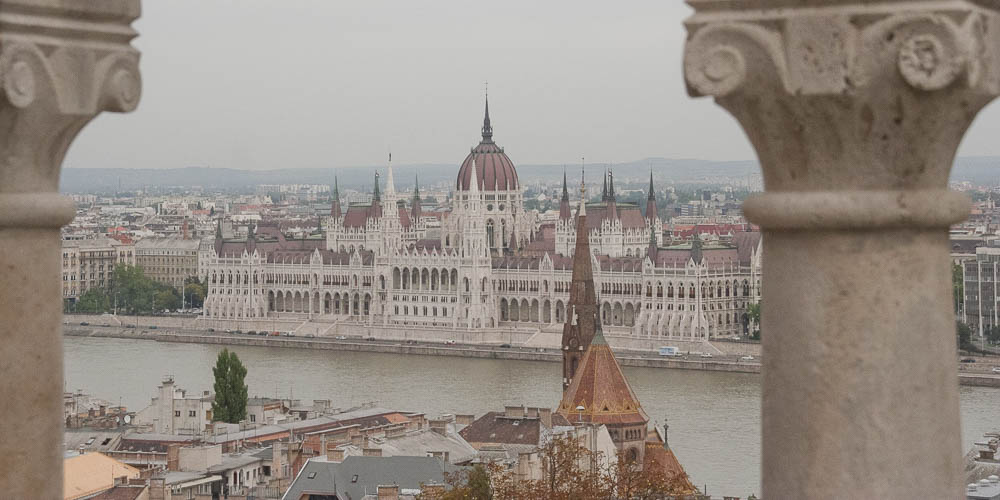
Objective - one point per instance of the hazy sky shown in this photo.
(294, 83)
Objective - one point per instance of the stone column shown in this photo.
(855, 109)
(61, 63)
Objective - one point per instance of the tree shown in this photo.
(230, 404)
(135, 290)
(472, 484)
(958, 286)
(194, 292)
(964, 334)
(93, 301)
(570, 471)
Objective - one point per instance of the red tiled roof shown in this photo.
(600, 387)
(494, 170)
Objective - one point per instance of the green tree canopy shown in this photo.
(230, 403)
(93, 301)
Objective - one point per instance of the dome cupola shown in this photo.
(494, 170)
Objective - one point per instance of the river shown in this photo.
(714, 417)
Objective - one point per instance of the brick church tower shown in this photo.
(581, 312)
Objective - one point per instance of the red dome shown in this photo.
(494, 170)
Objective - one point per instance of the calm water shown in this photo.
(714, 417)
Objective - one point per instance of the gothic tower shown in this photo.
(581, 313)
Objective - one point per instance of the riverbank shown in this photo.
(384, 346)
(429, 349)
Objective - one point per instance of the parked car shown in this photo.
(747, 358)
(450, 342)
(968, 360)
(129, 326)
(211, 329)
(340, 337)
(252, 332)
(370, 339)
(275, 334)
(238, 332)
(152, 327)
(505, 346)
(996, 369)
(309, 336)
(706, 355)
(84, 323)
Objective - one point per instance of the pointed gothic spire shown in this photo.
(611, 185)
(565, 193)
(696, 254)
(564, 210)
(474, 181)
(651, 200)
(415, 209)
(218, 230)
(487, 128)
(581, 312)
(376, 197)
(335, 211)
(604, 189)
(390, 183)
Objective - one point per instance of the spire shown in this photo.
(335, 204)
(651, 200)
(218, 230)
(611, 185)
(565, 193)
(604, 190)
(581, 313)
(390, 184)
(415, 209)
(474, 181)
(564, 210)
(583, 192)
(487, 128)
(376, 197)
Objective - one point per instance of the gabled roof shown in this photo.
(360, 475)
(496, 428)
(600, 387)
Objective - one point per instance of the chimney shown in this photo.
(439, 426)
(545, 415)
(103, 410)
(277, 449)
(513, 411)
(433, 490)
(335, 455)
(173, 457)
(157, 487)
(372, 452)
(465, 419)
(388, 492)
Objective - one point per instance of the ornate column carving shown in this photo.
(61, 63)
(855, 109)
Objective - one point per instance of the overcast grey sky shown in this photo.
(294, 83)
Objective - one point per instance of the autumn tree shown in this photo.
(570, 471)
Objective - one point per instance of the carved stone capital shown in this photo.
(840, 94)
(61, 63)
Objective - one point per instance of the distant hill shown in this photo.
(980, 170)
